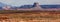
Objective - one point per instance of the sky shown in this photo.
(26, 2)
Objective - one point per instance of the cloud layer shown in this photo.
(23, 2)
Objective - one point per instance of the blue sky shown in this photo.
(24, 2)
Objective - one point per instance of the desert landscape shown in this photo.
(29, 10)
(43, 16)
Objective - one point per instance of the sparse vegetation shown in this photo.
(30, 16)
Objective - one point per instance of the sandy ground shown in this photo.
(30, 17)
(21, 20)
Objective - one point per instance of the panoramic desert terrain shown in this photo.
(30, 17)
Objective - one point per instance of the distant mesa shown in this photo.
(35, 6)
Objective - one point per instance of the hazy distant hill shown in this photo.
(26, 6)
(50, 6)
(43, 6)
(30, 6)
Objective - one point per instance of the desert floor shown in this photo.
(31, 17)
